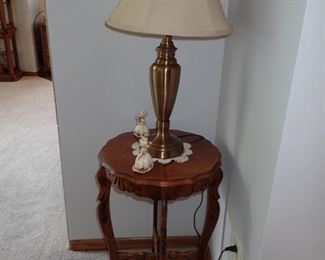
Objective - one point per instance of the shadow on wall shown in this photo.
(232, 129)
(243, 225)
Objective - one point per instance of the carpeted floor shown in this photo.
(32, 213)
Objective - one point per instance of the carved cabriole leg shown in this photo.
(9, 56)
(103, 212)
(163, 230)
(211, 215)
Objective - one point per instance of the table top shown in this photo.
(188, 177)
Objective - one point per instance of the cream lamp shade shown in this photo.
(182, 18)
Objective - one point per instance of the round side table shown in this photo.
(162, 184)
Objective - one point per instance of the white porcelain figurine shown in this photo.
(143, 162)
(141, 128)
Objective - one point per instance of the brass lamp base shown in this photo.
(163, 144)
(165, 75)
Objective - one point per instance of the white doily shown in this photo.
(180, 159)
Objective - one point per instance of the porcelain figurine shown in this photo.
(143, 162)
(141, 128)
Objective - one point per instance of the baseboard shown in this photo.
(132, 243)
(30, 73)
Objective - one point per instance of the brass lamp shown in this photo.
(180, 18)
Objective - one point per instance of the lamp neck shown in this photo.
(166, 51)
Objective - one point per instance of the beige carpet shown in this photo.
(32, 214)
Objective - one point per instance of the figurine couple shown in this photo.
(143, 162)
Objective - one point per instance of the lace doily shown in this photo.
(180, 159)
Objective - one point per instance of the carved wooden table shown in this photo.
(161, 184)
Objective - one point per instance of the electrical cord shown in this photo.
(194, 217)
(37, 42)
(199, 137)
(35, 19)
(229, 249)
(232, 248)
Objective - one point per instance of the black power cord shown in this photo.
(194, 217)
(36, 35)
(229, 249)
(232, 248)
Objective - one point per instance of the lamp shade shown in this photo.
(183, 18)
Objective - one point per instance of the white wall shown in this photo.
(41, 4)
(296, 221)
(24, 12)
(101, 80)
(258, 68)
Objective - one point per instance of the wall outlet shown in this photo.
(239, 255)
